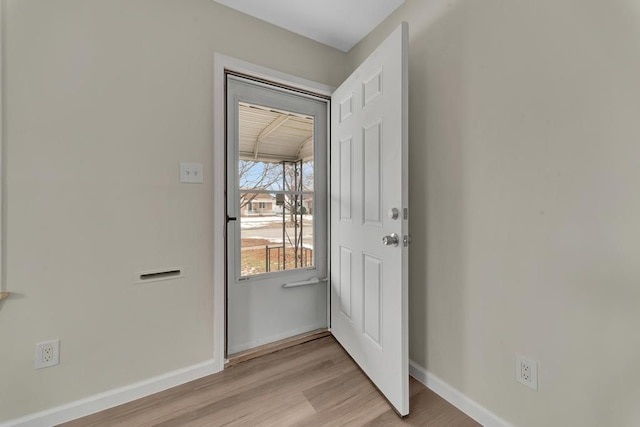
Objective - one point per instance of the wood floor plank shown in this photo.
(427, 409)
(358, 410)
(275, 413)
(162, 406)
(254, 399)
(338, 391)
(312, 384)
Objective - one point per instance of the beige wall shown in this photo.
(525, 172)
(104, 99)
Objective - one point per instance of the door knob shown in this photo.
(391, 240)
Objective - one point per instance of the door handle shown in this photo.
(312, 281)
(391, 240)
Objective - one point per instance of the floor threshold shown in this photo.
(265, 349)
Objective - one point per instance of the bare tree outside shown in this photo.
(293, 183)
(254, 175)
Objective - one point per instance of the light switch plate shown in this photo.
(191, 173)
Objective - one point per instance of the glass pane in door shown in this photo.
(276, 190)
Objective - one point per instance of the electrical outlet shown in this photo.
(527, 372)
(47, 354)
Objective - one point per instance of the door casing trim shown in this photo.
(221, 64)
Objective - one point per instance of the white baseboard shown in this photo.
(456, 398)
(115, 397)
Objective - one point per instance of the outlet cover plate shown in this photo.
(527, 372)
(47, 354)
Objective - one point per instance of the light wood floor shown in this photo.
(312, 384)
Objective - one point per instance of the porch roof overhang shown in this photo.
(272, 136)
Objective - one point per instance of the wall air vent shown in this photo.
(154, 276)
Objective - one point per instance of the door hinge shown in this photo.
(406, 213)
(406, 240)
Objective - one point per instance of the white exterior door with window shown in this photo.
(277, 206)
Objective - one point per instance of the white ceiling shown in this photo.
(337, 23)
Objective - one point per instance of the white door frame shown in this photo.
(2, 143)
(221, 64)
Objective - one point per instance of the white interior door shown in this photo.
(369, 218)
